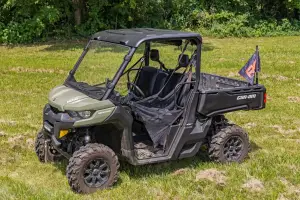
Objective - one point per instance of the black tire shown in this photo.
(230, 144)
(53, 155)
(84, 163)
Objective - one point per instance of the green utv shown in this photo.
(155, 108)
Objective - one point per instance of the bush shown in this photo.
(229, 24)
(24, 21)
(28, 29)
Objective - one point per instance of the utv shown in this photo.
(160, 112)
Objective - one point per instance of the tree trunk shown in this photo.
(296, 14)
(77, 11)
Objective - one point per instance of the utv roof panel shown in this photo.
(134, 37)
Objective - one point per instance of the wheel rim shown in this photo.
(233, 148)
(96, 173)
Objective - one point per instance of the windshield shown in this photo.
(97, 72)
(101, 61)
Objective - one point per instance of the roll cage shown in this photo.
(133, 38)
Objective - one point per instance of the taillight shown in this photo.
(265, 97)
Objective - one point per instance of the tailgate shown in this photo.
(228, 100)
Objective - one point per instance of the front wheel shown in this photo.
(92, 167)
(41, 149)
(230, 144)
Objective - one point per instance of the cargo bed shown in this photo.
(219, 95)
(210, 82)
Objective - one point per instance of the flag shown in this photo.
(251, 68)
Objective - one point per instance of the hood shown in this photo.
(65, 98)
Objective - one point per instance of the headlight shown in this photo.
(80, 114)
(72, 113)
(85, 114)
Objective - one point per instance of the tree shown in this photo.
(79, 11)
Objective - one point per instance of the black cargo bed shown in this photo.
(211, 82)
(219, 95)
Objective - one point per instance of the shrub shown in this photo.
(28, 29)
(24, 21)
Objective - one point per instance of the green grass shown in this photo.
(29, 72)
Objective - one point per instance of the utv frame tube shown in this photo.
(86, 48)
(119, 73)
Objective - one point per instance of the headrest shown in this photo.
(184, 61)
(154, 54)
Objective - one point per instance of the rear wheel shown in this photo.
(92, 167)
(40, 149)
(230, 144)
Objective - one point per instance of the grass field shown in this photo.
(272, 171)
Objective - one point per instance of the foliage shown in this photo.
(224, 24)
(28, 20)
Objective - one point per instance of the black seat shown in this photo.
(171, 84)
(160, 81)
(150, 79)
(183, 62)
(146, 79)
(185, 91)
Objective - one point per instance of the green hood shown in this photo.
(65, 98)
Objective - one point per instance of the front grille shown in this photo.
(55, 110)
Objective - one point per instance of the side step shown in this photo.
(192, 151)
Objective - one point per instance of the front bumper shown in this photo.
(54, 121)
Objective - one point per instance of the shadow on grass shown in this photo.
(148, 170)
(65, 46)
(165, 168)
(208, 47)
(171, 166)
(61, 166)
(55, 45)
(254, 147)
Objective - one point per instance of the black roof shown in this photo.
(134, 37)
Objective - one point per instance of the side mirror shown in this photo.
(184, 61)
(154, 55)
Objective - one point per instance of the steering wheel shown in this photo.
(137, 88)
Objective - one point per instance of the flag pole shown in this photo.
(256, 67)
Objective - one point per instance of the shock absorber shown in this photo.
(87, 137)
(46, 149)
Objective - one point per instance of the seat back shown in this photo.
(171, 84)
(185, 91)
(183, 62)
(150, 80)
(146, 79)
(160, 81)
